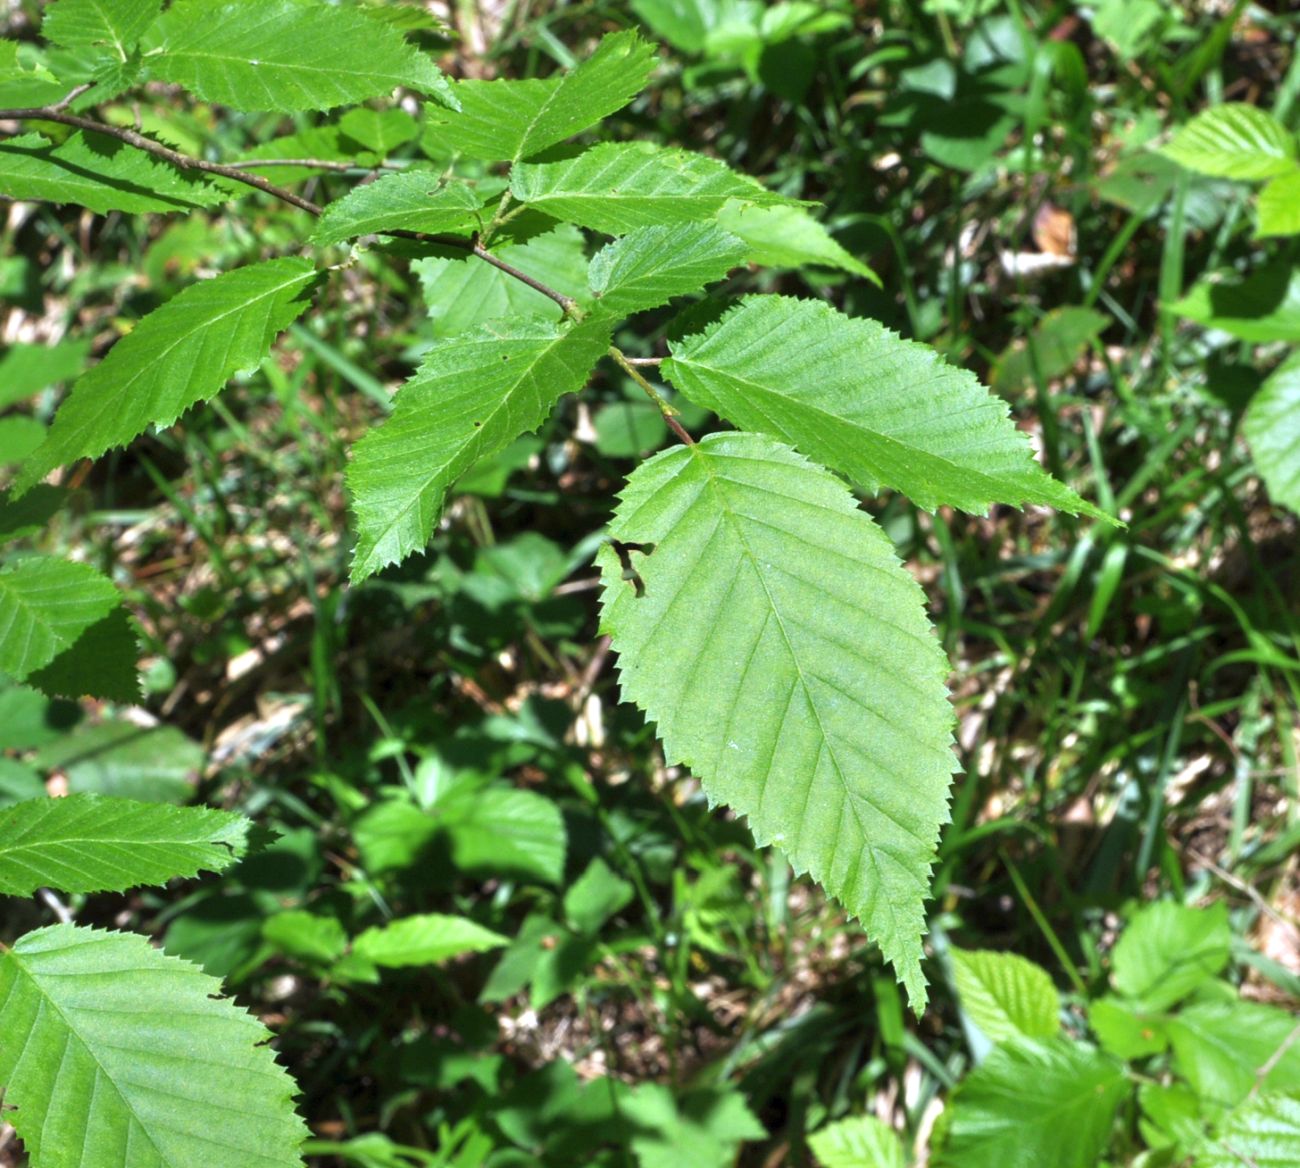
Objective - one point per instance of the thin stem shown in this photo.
(234, 173)
(643, 360)
(317, 164)
(72, 96)
(140, 142)
(668, 412)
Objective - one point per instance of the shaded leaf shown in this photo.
(99, 173)
(88, 1083)
(100, 663)
(179, 354)
(773, 638)
(45, 605)
(853, 395)
(1263, 306)
(90, 843)
(282, 55)
(474, 394)
(150, 763)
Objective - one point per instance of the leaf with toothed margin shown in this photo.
(865, 402)
(96, 843)
(785, 654)
(475, 394)
(179, 354)
(118, 1056)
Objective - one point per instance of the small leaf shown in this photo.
(285, 56)
(788, 237)
(1168, 950)
(1226, 1050)
(1279, 206)
(860, 1142)
(1034, 1104)
(21, 518)
(1236, 141)
(117, 1056)
(1262, 306)
(90, 843)
(314, 939)
(595, 897)
(776, 640)
(412, 200)
(475, 394)
(379, 130)
(179, 354)
(25, 370)
(1005, 995)
(424, 940)
(463, 293)
(80, 24)
(148, 763)
(1264, 1132)
(619, 186)
(1272, 427)
(855, 396)
(502, 121)
(651, 265)
(45, 605)
(99, 173)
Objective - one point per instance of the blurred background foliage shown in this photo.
(448, 738)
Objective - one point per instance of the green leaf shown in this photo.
(1279, 206)
(99, 173)
(651, 265)
(775, 638)
(424, 940)
(379, 130)
(45, 605)
(89, 843)
(117, 1056)
(1263, 1132)
(314, 939)
(24, 517)
(412, 200)
(21, 87)
(595, 897)
(25, 370)
(860, 1142)
(502, 121)
(179, 354)
(1050, 351)
(853, 395)
(285, 56)
(788, 237)
(151, 763)
(80, 24)
(1272, 427)
(1221, 1048)
(1126, 1028)
(474, 394)
(100, 663)
(463, 293)
(629, 429)
(501, 831)
(1168, 950)
(701, 1129)
(1034, 1104)
(1236, 141)
(1262, 306)
(619, 186)
(1005, 995)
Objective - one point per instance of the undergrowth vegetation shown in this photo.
(669, 583)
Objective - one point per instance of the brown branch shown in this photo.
(186, 162)
(158, 150)
(624, 363)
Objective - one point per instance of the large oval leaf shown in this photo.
(117, 1056)
(765, 623)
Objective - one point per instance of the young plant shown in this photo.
(761, 618)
